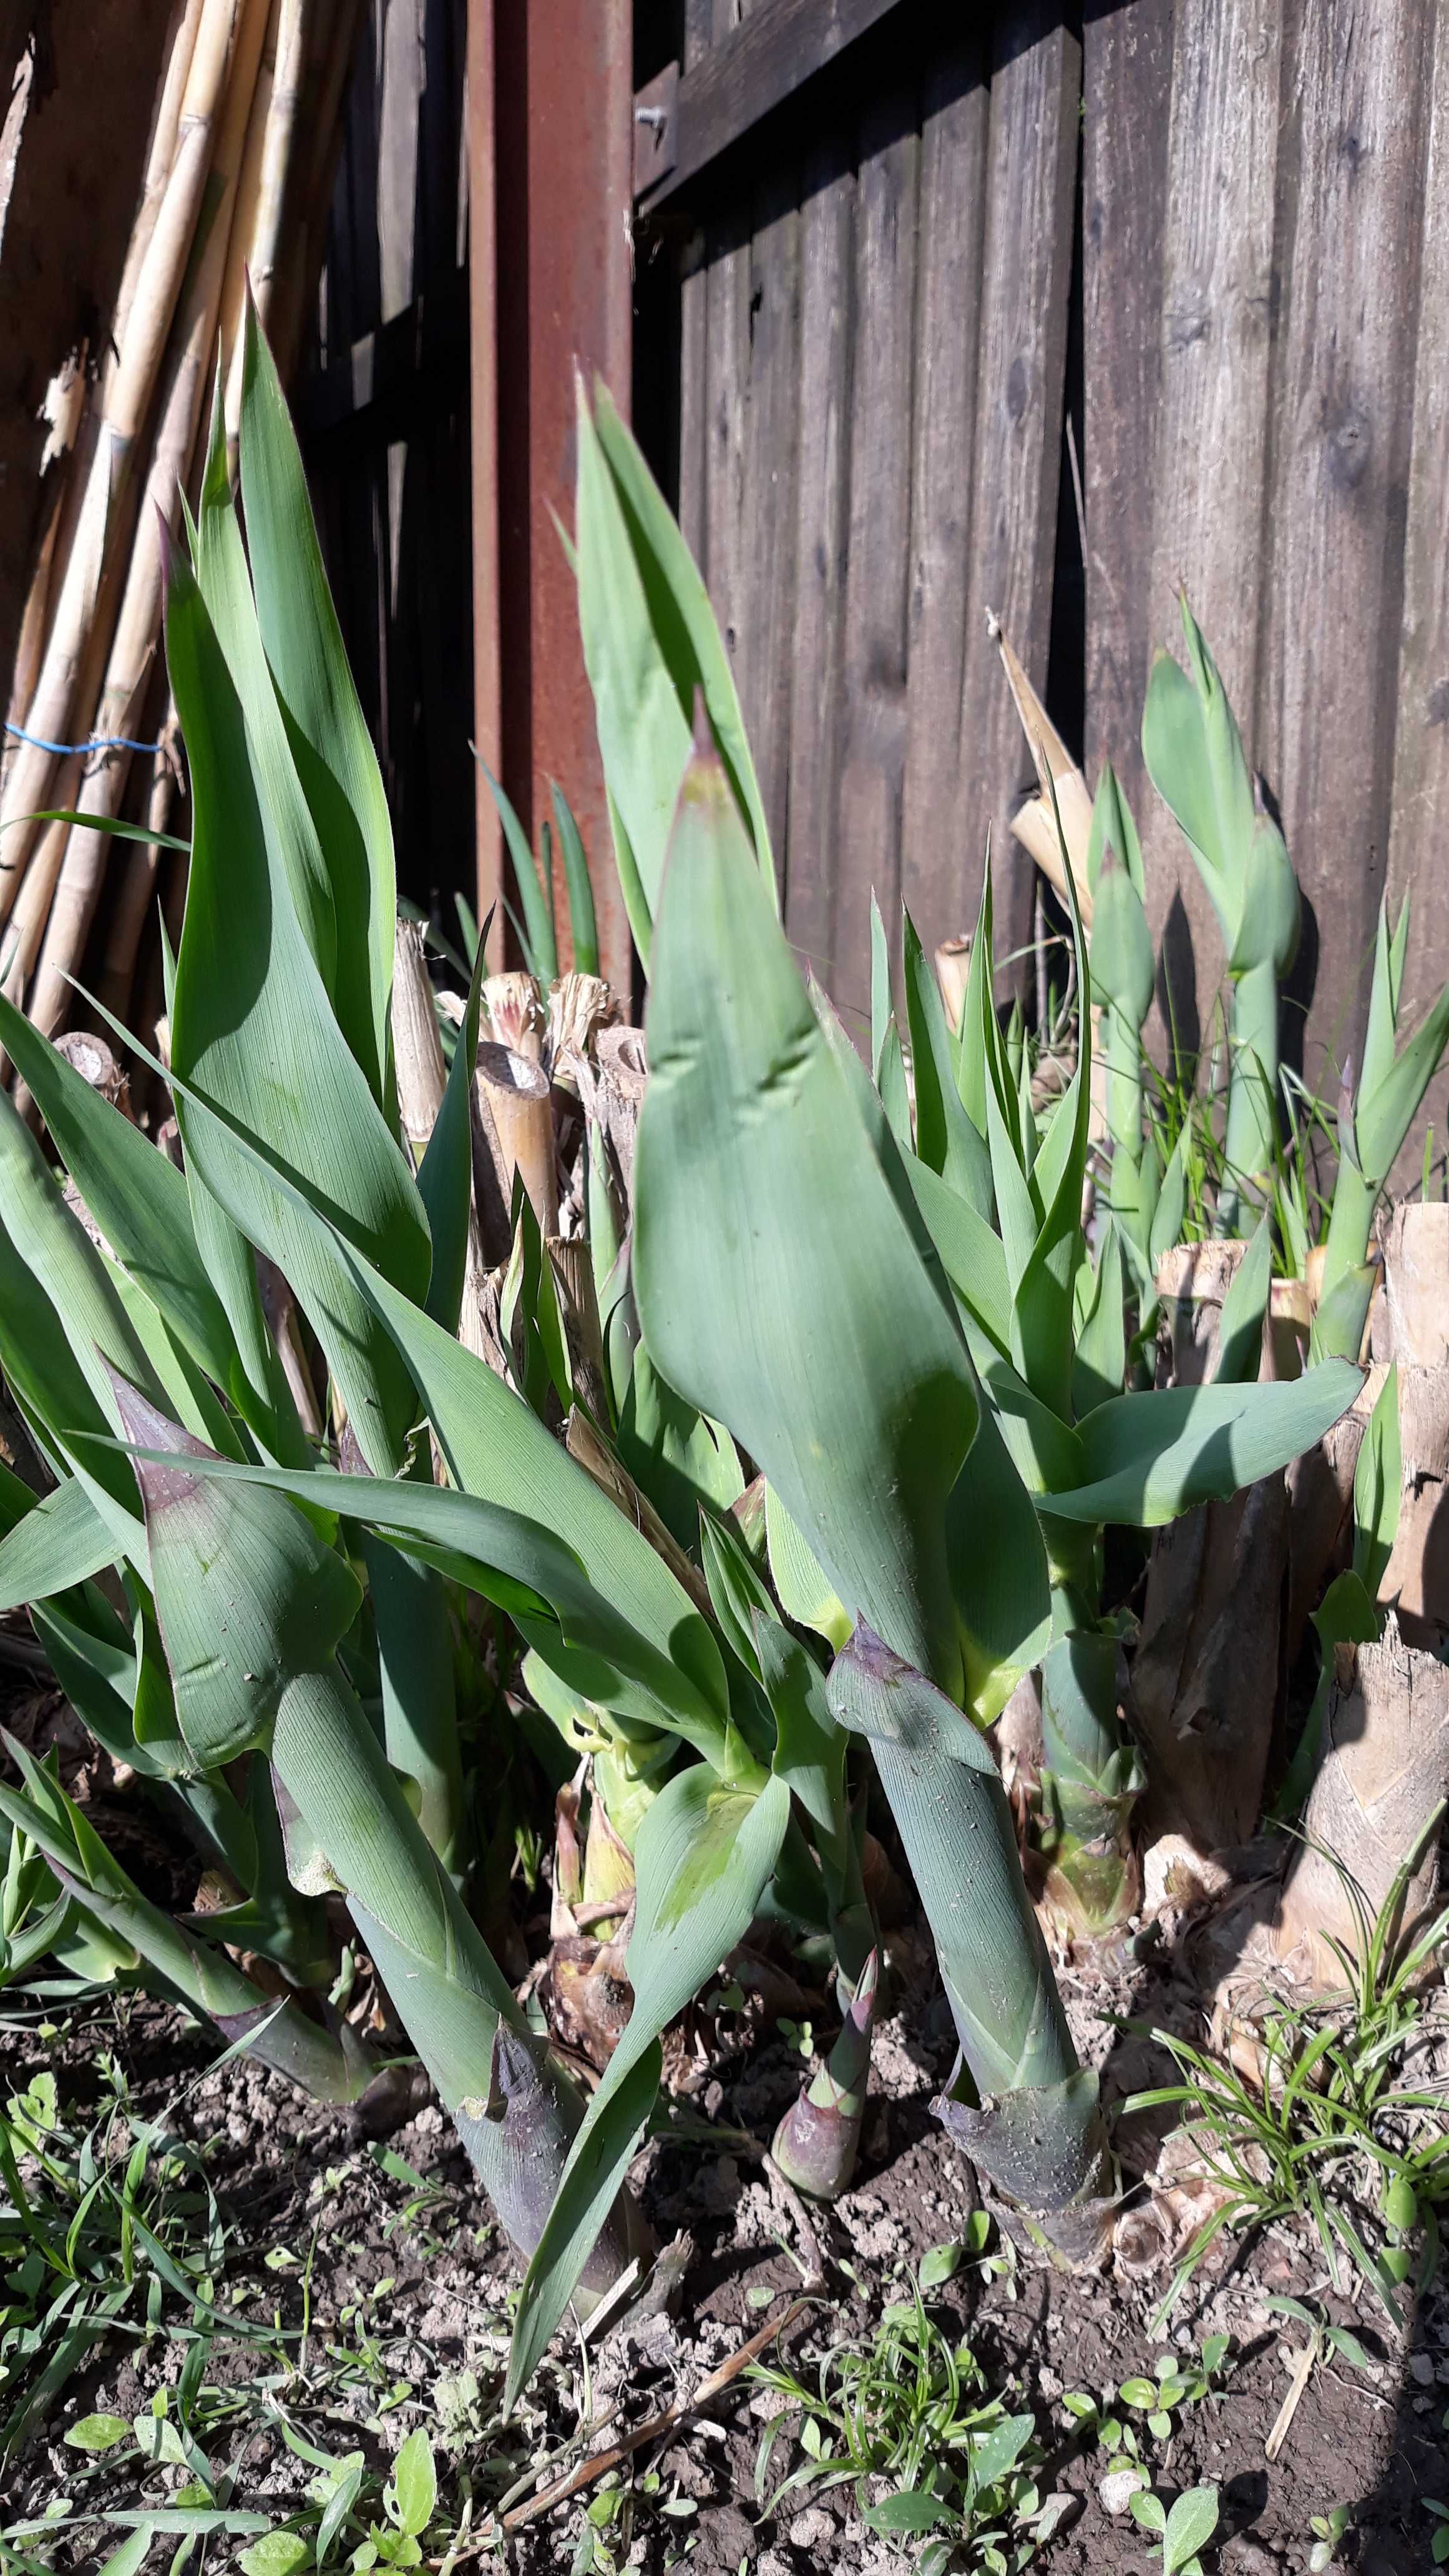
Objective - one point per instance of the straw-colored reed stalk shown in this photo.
(107, 513)
(416, 1045)
(56, 909)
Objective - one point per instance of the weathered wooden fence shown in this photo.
(884, 256)
(383, 413)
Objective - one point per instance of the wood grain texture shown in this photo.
(698, 31)
(1419, 816)
(1210, 463)
(1126, 90)
(765, 642)
(871, 792)
(752, 69)
(827, 287)
(1031, 176)
(1354, 136)
(937, 865)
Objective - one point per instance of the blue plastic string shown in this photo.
(78, 750)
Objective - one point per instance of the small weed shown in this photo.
(1176, 2381)
(1328, 2530)
(911, 2407)
(1439, 2542)
(1182, 2530)
(96, 2228)
(1329, 2131)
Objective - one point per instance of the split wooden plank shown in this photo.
(1355, 136)
(694, 339)
(765, 642)
(1031, 178)
(877, 586)
(827, 289)
(1126, 90)
(937, 862)
(1210, 470)
(727, 301)
(1420, 809)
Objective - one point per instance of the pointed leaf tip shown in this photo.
(703, 738)
(148, 1428)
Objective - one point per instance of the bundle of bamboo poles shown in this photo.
(238, 178)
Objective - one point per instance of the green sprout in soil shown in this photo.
(1180, 2530)
(910, 2408)
(1333, 2129)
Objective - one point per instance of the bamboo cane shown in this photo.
(264, 212)
(126, 399)
(59, 913)
(317, 45)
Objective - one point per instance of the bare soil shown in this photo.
(282, 2168)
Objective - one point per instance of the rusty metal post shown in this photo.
(483, 399)
(558, 164)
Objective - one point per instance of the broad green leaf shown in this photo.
(673, 1454)
(135, 1193)
(1100, 1364)
(778, 1286)
(1190, 2526)
(254, 1040)
(1171, 1208)
(1195, 759)
(909, 2509)
(1113, 830)
(1148, 1458)
(1382, 1119)
(1378, 1481)
(999, 1579)
(881, 1005)
(996, 2451)
(528, 1569)
(445, 1174)
(799, 1578)
(97, 2433)
(703, 1859)
(247, 1597)
(1123, 971)
(419, 1691)
(330, 741)
(497, 1450)
(969, 1249)
(67, 1265)
(650, 640)
(220, 563)
(62, 1541)
(415, 2484)
(945, 1138)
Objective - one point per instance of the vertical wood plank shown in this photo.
(1031, 177)
(1126, 90)
(727, 334)
(873, 692)
(1211, 458)
(955, 123)
(827, 287)
(694, 339)
(1420, 809)
(1355, 93)
(765, 645)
